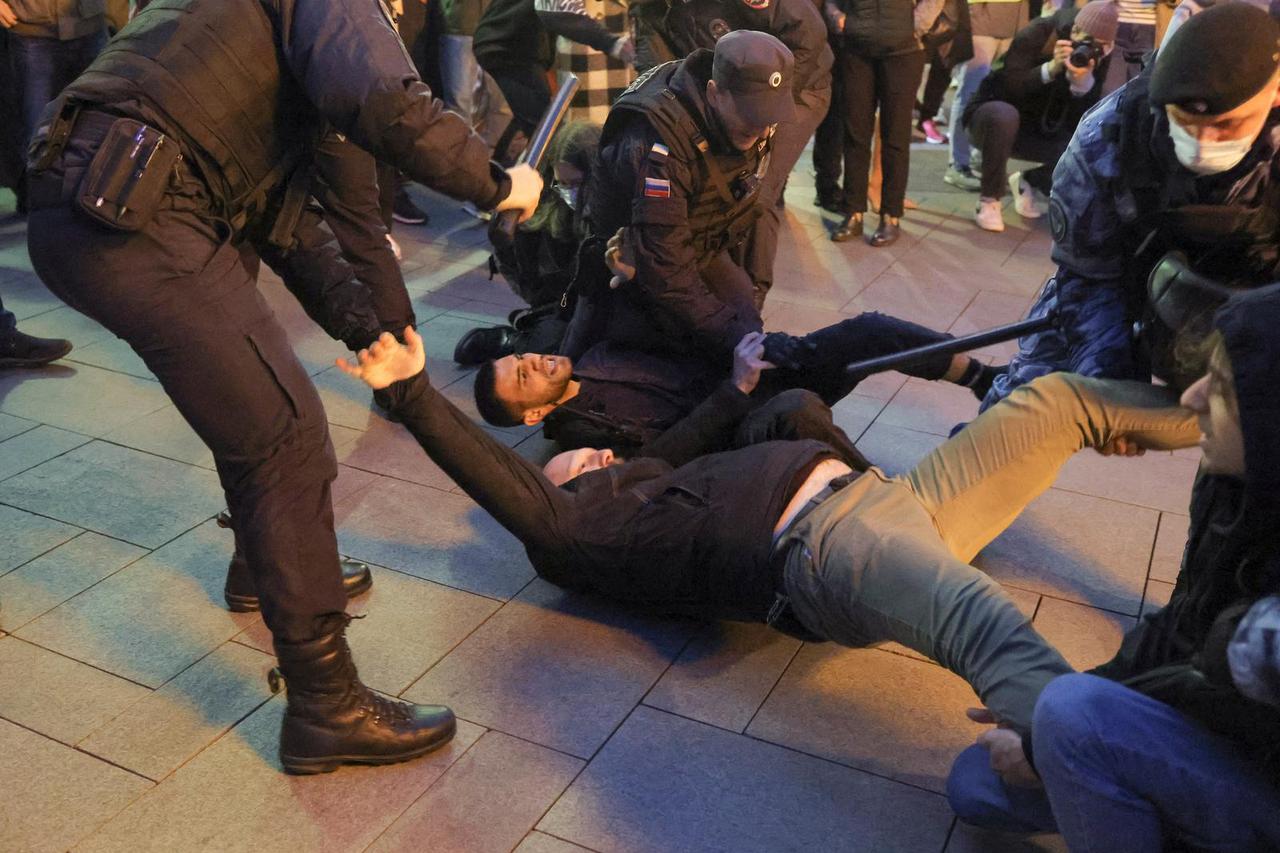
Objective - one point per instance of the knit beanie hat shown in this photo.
(1100, 19)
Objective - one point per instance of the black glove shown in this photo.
(787, 351)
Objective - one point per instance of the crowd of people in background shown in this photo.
(642, 350)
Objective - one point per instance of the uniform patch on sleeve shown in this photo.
(1059, 223)
(657, 188)
(659, 149)
(757, 4)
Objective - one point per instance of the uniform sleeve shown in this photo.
(569, 18)
(355, 70)
(666, 263)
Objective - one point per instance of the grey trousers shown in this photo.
(888, 558)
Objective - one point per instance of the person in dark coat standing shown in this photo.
(880, 64)
(148, 173)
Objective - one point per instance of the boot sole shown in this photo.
(312, 766)
(250, 604)
(33, 362)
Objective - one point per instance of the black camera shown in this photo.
(1084, 51)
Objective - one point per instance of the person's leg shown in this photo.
(528, 95)
(975, 70)
(1133, 41)
(347, 188)
(869, 566)
(976, 484)
(993, 128)
(1127, 772)
(794, 415)
(980, 797)
(7, 321)
(935, 86)
(897, 79)
(866, 336)
(828, 139)
(859, 123)
(460, 75)
(789, 140)
(35, 65)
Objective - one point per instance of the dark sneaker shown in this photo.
(404, 210)
(21, 350)
(963, 177)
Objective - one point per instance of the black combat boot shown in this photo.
(22, 350)
(333, 719)
(242, 596)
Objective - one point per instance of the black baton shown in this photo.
(502, 228)
(998, 335)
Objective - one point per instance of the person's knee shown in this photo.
(973, 788)
(1066, 713)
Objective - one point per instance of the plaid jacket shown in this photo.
(602, 77)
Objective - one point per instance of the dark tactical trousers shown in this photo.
(178, 293)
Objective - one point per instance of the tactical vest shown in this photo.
(211, 72)
(724, 204)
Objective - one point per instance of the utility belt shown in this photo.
(132, 170)
(128, 176)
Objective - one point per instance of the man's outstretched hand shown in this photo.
(387, 360)
(748, 361)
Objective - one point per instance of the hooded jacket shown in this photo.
(1179, 654)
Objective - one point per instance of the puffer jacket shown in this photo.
(1179, 655)
(59, 19)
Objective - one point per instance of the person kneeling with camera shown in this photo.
(1030, 104)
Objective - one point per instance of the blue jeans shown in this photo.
(45, 66)
(1123, 771)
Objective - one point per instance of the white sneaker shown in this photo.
(395, 248)
(988, 215)
(1028, 201)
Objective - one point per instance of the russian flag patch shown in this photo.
(659, 149)
(657, 188)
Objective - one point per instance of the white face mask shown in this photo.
(1207, 158)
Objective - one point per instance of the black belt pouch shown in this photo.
(129, 175)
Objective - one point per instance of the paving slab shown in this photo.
(29, 449)
(167, 726)
(540, 842)
(57, 575)
(933, 407)
(66, 323)
(388, 449)
(112, 354)
(1086, 636)
(408, 625)
(233, 796)
(1160, 481)
(883, 713)
(665, 783)
(724, 675)
(53, 795)
(60, 698)
(118, 491)
(897, 450)
(78, 397)
(25, 536)
(988, 309)
(433, 535)
(1171, 541)
(488, 800)
(11, 426)
(166, 433)
(1077, 547)
(1158, 595)
(557, 668)
(928, 301)
(970, 839)
(149, 621)
(855, 413)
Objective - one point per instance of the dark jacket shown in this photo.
(1232, 558)
(689, 534)
(1047, 110)
(878, 28)
(678, 225)
(510, 34)
(59, 19)
(670, 31)
(247, 87)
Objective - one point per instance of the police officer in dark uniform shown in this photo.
(148, 172)
(672, 29)
(1165, 201)
(683, 157)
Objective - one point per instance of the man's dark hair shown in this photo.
(493, 409)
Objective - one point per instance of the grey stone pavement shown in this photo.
(134, 709)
